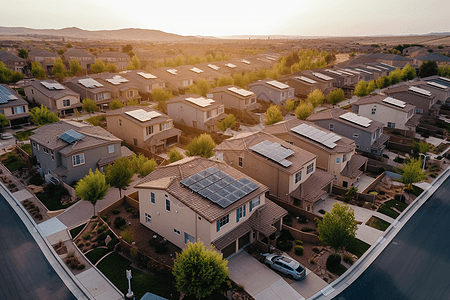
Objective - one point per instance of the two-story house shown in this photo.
(325, 82)
(341, 77)
(424, 100)
(88, 87)
(145, 81)
(272, 91)
(67, 150)
(121, 60)
(120, 87)
(440, 86)
(436, 57)
(177, 79)
(14, 62)
(367, 133)
(84, 58)
(13, 106)
(143, 127)
(393, 113)
(290, 172)
(196, 111)
(234, 98)
(44, 57)
(201, 199)
(56, 97)
(198, 72)
(302, 85)
(335, 153)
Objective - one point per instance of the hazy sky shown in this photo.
(232, 17)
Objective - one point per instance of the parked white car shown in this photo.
(292, 268)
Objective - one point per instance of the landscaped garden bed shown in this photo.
(23, 135)
(388, 207)
(55, 197)
(378, 223)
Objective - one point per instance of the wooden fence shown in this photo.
(130, 199)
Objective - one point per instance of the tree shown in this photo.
(127, 48)
(159, 95)
(316, 98)
(60, 51)
(135, 63)
(383, 82)
(89, 106)
(98, 66)
(201, 87)
(337, 227)
(201, 145)
(290, 105)
(37, 70)
(199, 271)
(69, 45)
(304, 110)
(41, 116)
(59, 70)
(75, 67)
(228, 122)
(372, 86)
(408, 73)
(224, 80)
(179, 60)
(23, 53)
(8, 76)
(120, 174)
(336, 96)
(428, 68)
(3, 121)
(412, 172)
(174, 155)
(209, 58)
(395, 76)
(421, 147)
(361, 89)
(111, 67)
(115, 104)
(142, 165)
(218, 57)
(92, 187)
(273, 115)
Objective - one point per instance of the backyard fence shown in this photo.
(303, 236)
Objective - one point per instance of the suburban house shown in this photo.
(56, 97)
(13, 106)
(341, 78)
(367, 133)
(272, 91)
(395, 60)
(120, 87)
(145, 81)
(436, 57)
(424, 100)
(201, 199)
(195, 111)
(302, 85)
(413, 49)
(289, 171)
(440, 86)
(85, 59)
(393, 113)
(363, 73)
(88, 87)
(44, 57)
(325, 83)
(173, 78)
(335, 154)
(234, 98)
(67, 150)
(121, 60)
(199, 73)
(14, 62)
(143, 127)
(214, 68)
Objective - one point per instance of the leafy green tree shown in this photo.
(209, 58)
(132, 102)
(111, 67)
(98, 66)
(218, 57)
(408, 73)
(160, 95)
(350, 194)
(290, 105)
(361, 89)
(273, 115)
(201, 145)
(336, 96)
(179, 60)
(135, 63)
(60, 51)
(160, 63)
(304, 110)
(8, 76)
(115, 104)
(59, 70)
(42, 116)
(412, 172)
(396, 76)
(372, 86)
(428, 68)
(199, 271)
(89, 106)
(69, 45)
(92, 187)
(142, 165)
(3, 121)
(120, 174)
(23, 53)
(383, 82)
(444, 71)
(37, 70)
(224, 80)
(174, 155)
(338, 227)
(316, 98)
(169, 62)
(226, 57)
(75, 67)
(228, 122)
(421, 147)
(201, 87)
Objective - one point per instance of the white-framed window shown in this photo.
(78, 159)
(167, 204)
(220, 110)
(331, 127)
(188, 238)
(419, 110)
(222, 222)
(344, 158)
(374, 135)
(130, 94)
(283, 94)
(290, 93)
(149, 130)
(176, 231)
(66, 102)
(120, 122)
(45, 150)
(37, 145)
(241, 161)
(19, 109)
(164, 126)
(240, 213)
(310, 168)
(391, 125)
(374, 110)
(298, 177)
(254, 203)
(148, 219)
(152, 197)
(111, 149)
(355, 135)
(338, 160)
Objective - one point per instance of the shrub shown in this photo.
(127, 235)
(119, 222)
(124, 227)
(381, 170)
(322, 211)
(129, 209)
(86, 236)
(133, 252)
(333, 262)
(307, 229)
(298, 242)
(315, 249)
(348, 258)
(100, 229)
(116, 211)
(288, 223)
(312, 261)
(36, 179)
(105, 218)
(81, 267)
(299, 250)
(284, 245)
(135, 213)
(112, 243)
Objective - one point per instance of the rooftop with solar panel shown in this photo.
(196, 101)
(51, 88)
(386, 101)
(233, 90)
(9, 97)
(140, 114)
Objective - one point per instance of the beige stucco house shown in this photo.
(13, 106)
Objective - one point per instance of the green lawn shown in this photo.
(23, 135)
(114, 267)
(357, 247)
(52, 201)
(75, 231)
(12, 161)
(27, 149)
(95, 255)
(386, 208)
(378, 223)
(341, 270)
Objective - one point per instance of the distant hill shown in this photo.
(119, 34)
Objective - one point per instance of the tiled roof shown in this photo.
(312, 189)
(156, 139)
(380, 141)
(18, 102)
(388, 56)
(351, 169)
(405, 88)
(121, 111)
(182, 99)
(52, 94)
(225, 89)
(74, 80)
(5, 56)
(379, 100)
(413, 121)
(218, 118)
(42, 52)
(434, 56)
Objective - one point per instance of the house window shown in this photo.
(254, 203)
(167, 204)
(356, 135)
(135, 142)
(130, 94)
(345, 184)
(152, 197)
(194, 124)
(222, 222)
(331, 127)
(78, 159)
(298, 177)
(148, 219)
(45, 150)
(344, 158)
(240, 213)
(310, 168)
(111, 149)
(34, 144)
(392, 125)
(208, 114)
(52, 155)
(19, 110)
(283, 94)
(220, 110)
(176, 231)
(66, 102)
(188, 238)
(374, 111)
(163, 126)
(419, 111)
(149, 130)
(241, 159)
(2, 111)
(374, 135)
(338, 160)
(290, 93)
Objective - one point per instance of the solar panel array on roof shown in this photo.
(52, 85)
(444, 78)
(306, 79)
(365, 71)
(203, 102)
(334, 72)
(116, 80)
(317, 135)
(241, 92)
(214, 67)
(271, 58)
(147, 75)
(322, 76)
(278, 84)
(6, 95)
(274, 151)
(71, 136)
(386, 65)
(245, 61)
(90, 83)
(347, 73)
(219, 187)
(419, 91)
(196, 70)
(143, 115)
(395, 102)
(230, 65)
(438, 85)
(172, 71)
(352, 71)
(354, 118)
(373, 68)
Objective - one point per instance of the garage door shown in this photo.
(228, 250)
(244, 240)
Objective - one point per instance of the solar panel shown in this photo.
(52, 85)
(381, 67)
(202, 102)
(271, 58)
(419, 91)
(278, 84)
(306, 79)
(365, 71)
(196, 70)
(146, 75)
(352, 71)
(6, 95)
(435, 84)
(322, 76)
(274, 152)
(373, 68)
(230, 66)
(214, 67)
(242, 92)
(116, 80)
(90, 83)
(395, 102)
(442, 82)
(142, 115)
(71, 136)
(245, 61)
(347, 73)
(354, 118)
(334, 72)
(172, 71)
(327, 139)
(387, 65)
(445, 78)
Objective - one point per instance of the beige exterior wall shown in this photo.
(34, 94)
(192, 116)
(231, 101)
(132, 93)
(8, 111)
(385, 114)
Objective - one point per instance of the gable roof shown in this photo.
(405, 89)
(379, 100)
(225, 89)
(78, 53)
(389, 56)
(265, 83)
(114, 55)
(52, 94)
(17, 102)
(133, 75)
(5, 56)
(122, 112)
(433, 56)
(182, 99)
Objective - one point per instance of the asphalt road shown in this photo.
(416, 264)
(25, 273)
